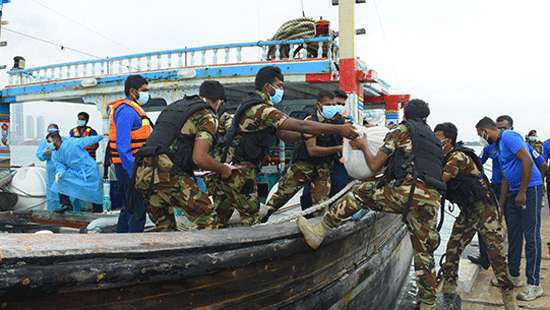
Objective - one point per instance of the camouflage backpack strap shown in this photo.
(473, 156)
(228, 140)
(410, 197)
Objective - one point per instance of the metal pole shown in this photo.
(1, 7)
(348, 63)
(4, 163)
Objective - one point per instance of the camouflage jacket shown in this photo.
(256, 118)
(459, 163)
(203, 125)
(398, 138)
(536, 145)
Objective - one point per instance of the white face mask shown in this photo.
(143, 97)
(483, 141)
(533, 138)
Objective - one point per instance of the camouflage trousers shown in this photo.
(296, 176)
(484, 219)
(421, 220)
(182, 193)
(240, 192)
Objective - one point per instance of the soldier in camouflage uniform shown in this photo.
(469, 188)
(313, 159)
(391, 194)
(175, 186)
(256, 127)
(240, 191)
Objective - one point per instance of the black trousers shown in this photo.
(64, 200)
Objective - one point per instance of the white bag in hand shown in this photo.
(354, 160)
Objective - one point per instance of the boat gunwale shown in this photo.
(59, 278)
(30, 247)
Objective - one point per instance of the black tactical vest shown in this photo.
(252, 146)
(466, 189)
(325, 140)
(168, 131)
(426, 160)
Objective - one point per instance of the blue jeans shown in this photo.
(339, 178)
(548, 186)
(128, 222)
(524, 224)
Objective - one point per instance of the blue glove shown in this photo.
(357, 216)
(58, 177)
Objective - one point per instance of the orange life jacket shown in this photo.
(138, 137)
(86, 133)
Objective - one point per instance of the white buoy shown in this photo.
(29, 183)
(44, 232)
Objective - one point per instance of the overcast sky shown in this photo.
(467, 58)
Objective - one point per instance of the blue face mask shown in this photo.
(80, 123)
(52, 129)
(50, 146)
(278, 97)
(143, 97)
(330, 111)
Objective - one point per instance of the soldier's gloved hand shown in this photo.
(267, 215)
(360, 143)
(348, 131)
(226, 171)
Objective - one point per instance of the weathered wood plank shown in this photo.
(67, 219)
(281, 273)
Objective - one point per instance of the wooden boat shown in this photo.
(361, 265)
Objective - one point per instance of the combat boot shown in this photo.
(509, 300)
(448, 287)
(313, 234)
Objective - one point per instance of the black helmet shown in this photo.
(212, 90)
(417, 109)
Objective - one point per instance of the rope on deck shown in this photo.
(317, 207)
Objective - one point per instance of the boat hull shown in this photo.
(362, 265)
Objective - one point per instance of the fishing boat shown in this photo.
(361, 265)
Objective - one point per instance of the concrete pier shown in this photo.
(485, 296)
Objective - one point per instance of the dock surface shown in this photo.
(484, 296)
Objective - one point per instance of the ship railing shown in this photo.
(225, 54)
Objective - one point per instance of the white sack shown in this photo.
(354, 160)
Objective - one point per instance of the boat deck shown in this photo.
(173, 73)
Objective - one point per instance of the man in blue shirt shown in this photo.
(521, 193)
(504, 122)
(546, 155)
(129, 129)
